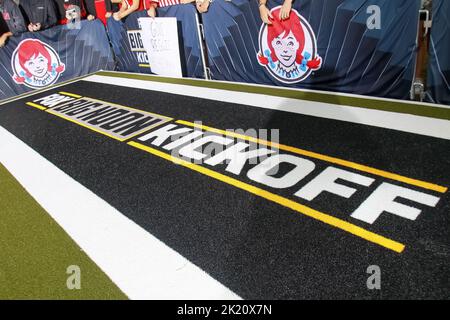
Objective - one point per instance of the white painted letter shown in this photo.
(383, 200)
(163, 134)
(189, 150)
(326, 181)
(302, 168)
(237, 157)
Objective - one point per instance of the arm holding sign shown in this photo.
(126, 8)
(285, 9)
(150, 6)
(264, 12)
(164, 3)
(266, 16)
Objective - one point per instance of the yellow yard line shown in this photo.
(315, 214)
(344, 163)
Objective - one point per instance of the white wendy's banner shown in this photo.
(160, 39)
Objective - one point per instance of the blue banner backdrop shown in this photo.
(346, 55)
(439, 63)
(126, 41)
(36, 60)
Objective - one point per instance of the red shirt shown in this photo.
(100, 9)
(145, 4)
(166, 3)
(141, 4)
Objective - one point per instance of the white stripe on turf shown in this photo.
(138, 263)
(37, 91)
(390, 120)
(247, 84)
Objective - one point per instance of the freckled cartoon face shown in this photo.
(286, 48)
(37, 66)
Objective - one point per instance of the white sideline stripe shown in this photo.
(333, 93)
(38, 91)
(138, 263)
(438, 128)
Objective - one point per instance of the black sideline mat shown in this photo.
(261, 232)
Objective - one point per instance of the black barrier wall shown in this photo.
(355, 46)
(65, 54)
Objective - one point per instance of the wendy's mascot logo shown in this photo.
(36, 64)
(288, 48)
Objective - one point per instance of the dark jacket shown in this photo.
(12, 16)
(99, 8)
(3, 26)
(109, 6)
(85, 5)
(40, 11)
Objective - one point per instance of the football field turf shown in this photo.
(193, 189)
(36, 252)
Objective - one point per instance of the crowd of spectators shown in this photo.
(19, 16)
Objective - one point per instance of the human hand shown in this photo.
(4, 37)
(285, 10)
(202, 6)
(90, 17)
(265, 14)
(116, 16)
(151, 12)
(34, 27)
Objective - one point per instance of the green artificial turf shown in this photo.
(35, 252)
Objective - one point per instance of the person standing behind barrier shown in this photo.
(68, 9)
(12, 17)
(111, 7)
(101, 9)
(40, 13)
(266, 16)
(127, 7)
(4, 31)
(91, 9)
(150, 6)
(201, 5)
(114, 6)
